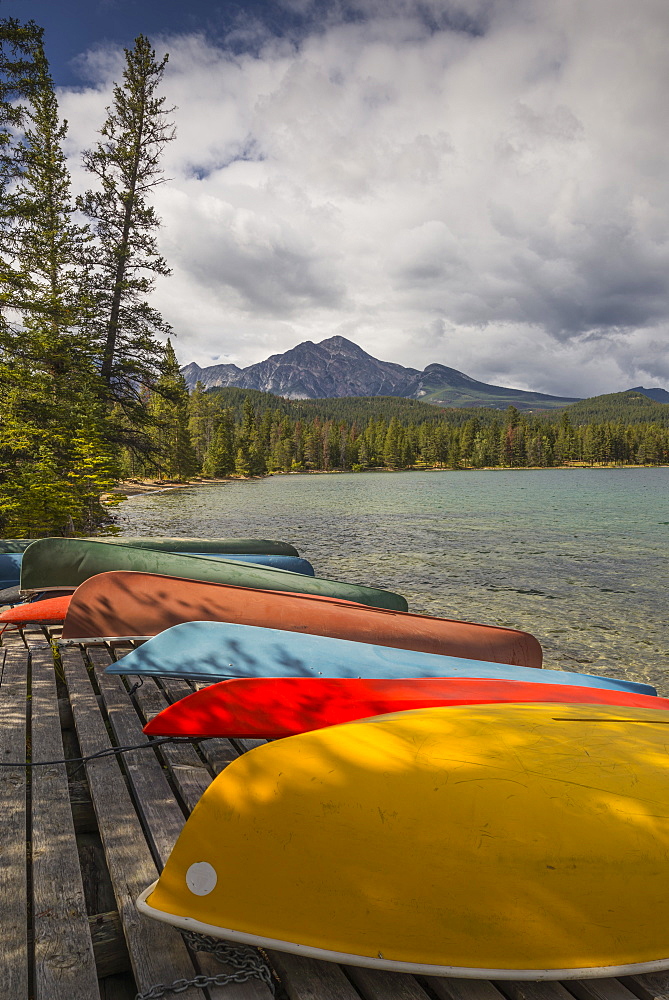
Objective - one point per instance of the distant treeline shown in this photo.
(622, 407)
(239, 432)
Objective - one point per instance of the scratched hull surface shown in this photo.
(275, 707)
(55, 563)
(211, 651)
(126, 603)
(537, 837)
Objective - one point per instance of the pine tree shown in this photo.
(467, 438)
(19, 44)
(391, 445)
(257, 455)
(242, 461)
(51, 249)
(453, 451)
(169, 410)
(220, 458)
(334, 442)
(565, 440)
(313, 445)
(298, 447)
(53, 448)
(126, 164)
(201, 421)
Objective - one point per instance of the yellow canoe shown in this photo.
(493, 841)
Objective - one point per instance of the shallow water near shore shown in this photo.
(578, 557)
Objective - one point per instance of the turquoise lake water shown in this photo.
(578, 557)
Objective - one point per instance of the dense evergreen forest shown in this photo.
(241, 432)
(90, 388)
(629, 407)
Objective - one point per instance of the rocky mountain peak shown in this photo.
(337, 367)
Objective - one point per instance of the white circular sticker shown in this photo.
(201, 878)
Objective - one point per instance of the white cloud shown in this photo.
(481, 184)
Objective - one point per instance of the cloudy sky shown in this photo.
(479, 183)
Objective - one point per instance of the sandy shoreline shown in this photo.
(137, 487)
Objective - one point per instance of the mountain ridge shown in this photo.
(337, 367)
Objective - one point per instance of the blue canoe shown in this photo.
(10, 561)
(10, 569)
(213, 651)
(294, 564)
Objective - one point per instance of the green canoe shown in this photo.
(258, 546)
(59, 563)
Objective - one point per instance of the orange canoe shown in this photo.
(50, 611)
(127, 603)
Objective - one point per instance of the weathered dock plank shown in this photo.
(462, 989)
(157, 954)
(528, 990)
(654, 986)
(161, 815)
(309, 979)
(111, 954)
(189, 773)
(14, 955)
(584, 989)
(379, 985)
(599, 989)
(64, 960)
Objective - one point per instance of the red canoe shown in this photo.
(127, 603)
(274, 707)
(51, 611)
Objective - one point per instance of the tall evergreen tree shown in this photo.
(201, 420)
(391, 444)
(220, 457)
(54, 459)
(19, 44)
(169, 410)
(51, 249)
(126, 163)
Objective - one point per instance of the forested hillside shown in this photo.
(237, 432)
(350, 409)
(630, 407)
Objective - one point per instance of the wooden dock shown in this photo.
(78, 843)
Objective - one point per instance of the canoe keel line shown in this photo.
(410, 968)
